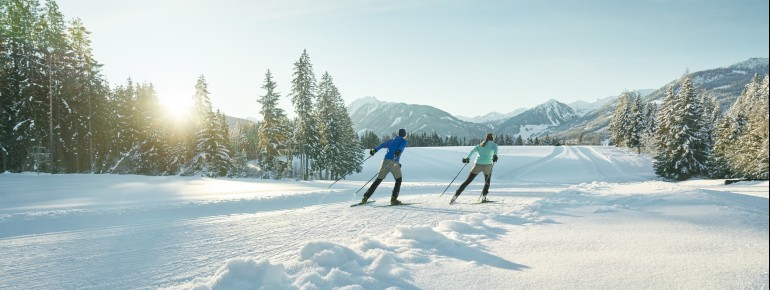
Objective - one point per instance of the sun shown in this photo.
(176, 108)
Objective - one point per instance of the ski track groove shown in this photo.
(607, 160)
(528, 167)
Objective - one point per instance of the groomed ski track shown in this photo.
(164, 242)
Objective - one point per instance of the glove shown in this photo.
(466, 160)
(398, 152)
(494, 158)
(371, 152)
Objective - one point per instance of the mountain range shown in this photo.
(577, 120)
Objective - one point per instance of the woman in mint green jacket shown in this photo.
(487, 151)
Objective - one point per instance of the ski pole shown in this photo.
(370, 179)
(330, 185)
(486, 179)
(453, 180)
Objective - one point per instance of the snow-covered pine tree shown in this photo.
(88, 86)
(204, 122)
(762, 129)
(340, 149)
(636, 128)
(62, 105)
(664, 165)
(151, 156)
(649, 126)
(683, 152)
(711, 116)
(221, 161)
(722, 152)
(325, 114)
(124, 131)
(6, 136)
(620, 125)
(273, 131)
(752, 108)
(24, 88)
(303, 98)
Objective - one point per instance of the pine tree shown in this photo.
(636, 124)
(151, 156)
(762, 129)
(303, 99)
(124, 131)
(620, 125)
(710, 119)
(23, 98)
(55, 73)
(751, 110)
(724, 136)
(340, 150)
(204, 121)
(88, 86)
(6, 138)
(664, 162)
(519, 141)
(684, 152)
(221, 161)
(273, 131)
(369, 139)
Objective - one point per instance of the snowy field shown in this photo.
(566, 217)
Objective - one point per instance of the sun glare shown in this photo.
(176, 108)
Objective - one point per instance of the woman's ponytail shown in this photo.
(490, 137)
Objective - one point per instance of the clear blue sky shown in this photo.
(465, 57)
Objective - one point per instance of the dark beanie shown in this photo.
(402, 132)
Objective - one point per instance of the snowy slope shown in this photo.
(566, 218)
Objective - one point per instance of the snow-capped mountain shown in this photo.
(577, 120)
(537, 121)
(582, 107)
(385, 118)
(493, 117)
(726, 84)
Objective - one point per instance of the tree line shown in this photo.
(688, 135)
(422, 139)
(59, 115)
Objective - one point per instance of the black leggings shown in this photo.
(468, 181)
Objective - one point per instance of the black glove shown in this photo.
(371, 152)
(399, 165)
(398, 152)
(466, 160)
(494, 158)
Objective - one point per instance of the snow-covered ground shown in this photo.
(567, 217)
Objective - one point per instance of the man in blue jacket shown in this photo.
(390, 164)
(487, 151)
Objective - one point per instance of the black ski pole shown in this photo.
(486, 180)
(330, 185)
(453, 180)
(370, 180)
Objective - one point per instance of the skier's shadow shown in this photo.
(465, 253)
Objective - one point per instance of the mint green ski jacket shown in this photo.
(485, 153)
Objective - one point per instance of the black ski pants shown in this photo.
(468, 181)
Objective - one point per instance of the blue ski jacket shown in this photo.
(397, 144)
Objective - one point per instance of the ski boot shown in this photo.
(453, 199)
(394, 201)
